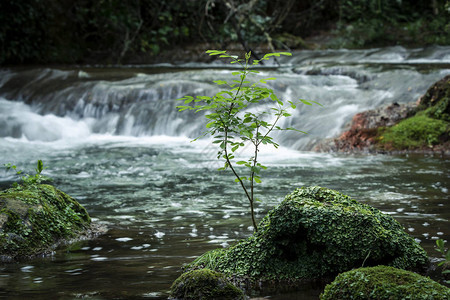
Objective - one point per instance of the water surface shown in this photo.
(112, 138)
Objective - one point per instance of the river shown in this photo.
(112, 138)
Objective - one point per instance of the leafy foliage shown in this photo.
(113, 31)
(383, 282)
(314, 233)
(440, 244)
(237, 118)
(364, 23)
(28, 180)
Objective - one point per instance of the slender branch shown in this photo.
(271, 128)
(225, 140)
(239, 179)
(252, 177)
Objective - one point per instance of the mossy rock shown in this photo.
(316, 233)
(35, 219)
(415, 132)
(382, 282)
(436, 101)
(428, 128)
(204, 284)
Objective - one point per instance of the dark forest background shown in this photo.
(140, 31)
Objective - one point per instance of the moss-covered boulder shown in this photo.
(429, 128)
(204, 284)
(415, 127)
(383, 282)
(436, 101)
(417, 132)
(317, 233)
(35, 219)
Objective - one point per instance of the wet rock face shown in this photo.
(422, 126)
(364, 127)
(316, 233)
(383, 282)
(35, 219)
(436, 101)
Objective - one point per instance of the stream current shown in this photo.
(112, 139)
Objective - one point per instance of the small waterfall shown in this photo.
(56, 104)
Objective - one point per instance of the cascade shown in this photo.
(51, 104)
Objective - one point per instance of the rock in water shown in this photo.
(383, 282)
(204, 284)
(35, 219)
(317, 233)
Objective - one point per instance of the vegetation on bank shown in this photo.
(429, 127)
(382, 282)
(111, 31)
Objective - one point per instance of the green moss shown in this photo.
(204, 285)
(430, 126)
(34, 219)
(383, 282)
(416, 132)
(314, 233)
(436, 101)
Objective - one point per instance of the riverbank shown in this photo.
(421, 127)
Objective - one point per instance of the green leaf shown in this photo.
(255, 170)
(257, 179)
(215, 52)
(220, 82)
(276, 54)
(305, 102)
(241, 162)
(40, 166)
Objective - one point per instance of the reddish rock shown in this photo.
(364, 128)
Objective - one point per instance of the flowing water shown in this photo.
(112, 138)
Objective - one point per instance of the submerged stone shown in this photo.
(383, 282)
(204, 284)
(317, 233)
(36, 219)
